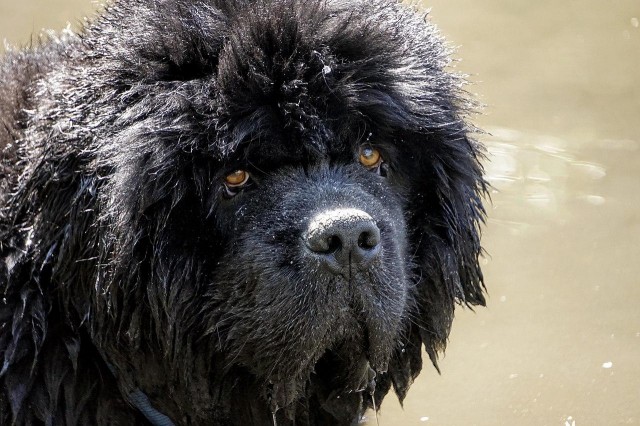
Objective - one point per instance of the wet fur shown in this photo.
(125, 268)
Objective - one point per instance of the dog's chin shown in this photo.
(343, 374)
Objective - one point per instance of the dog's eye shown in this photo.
(237, 178)
(370, 157)
(233, 182)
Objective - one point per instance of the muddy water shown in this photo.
(559, 343)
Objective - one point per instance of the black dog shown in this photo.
(231, 212)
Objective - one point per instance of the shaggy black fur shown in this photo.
(136, 289)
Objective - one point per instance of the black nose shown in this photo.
(343, 238)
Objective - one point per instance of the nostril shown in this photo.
(334, 244)
(321, 243)
(369, 239)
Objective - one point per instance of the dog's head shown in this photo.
(287, 191)
(309, 196)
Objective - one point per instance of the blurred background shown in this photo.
(559, 342)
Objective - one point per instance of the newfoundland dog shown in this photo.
(231, 212)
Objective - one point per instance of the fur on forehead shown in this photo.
(292, 70)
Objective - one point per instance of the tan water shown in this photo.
(559, 343)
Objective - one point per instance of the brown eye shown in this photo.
(236, 179)
(370, 157)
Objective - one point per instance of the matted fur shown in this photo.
(126, 270)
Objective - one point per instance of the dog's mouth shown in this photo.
(343, 376)
(336, 393)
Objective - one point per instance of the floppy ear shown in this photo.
(445, 214)
(448, 248)
(42, 241)
(460, 189)
(43, 376)
(47, 375)
(23, 328)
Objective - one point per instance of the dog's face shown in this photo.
(316, 260)
(286, 192)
